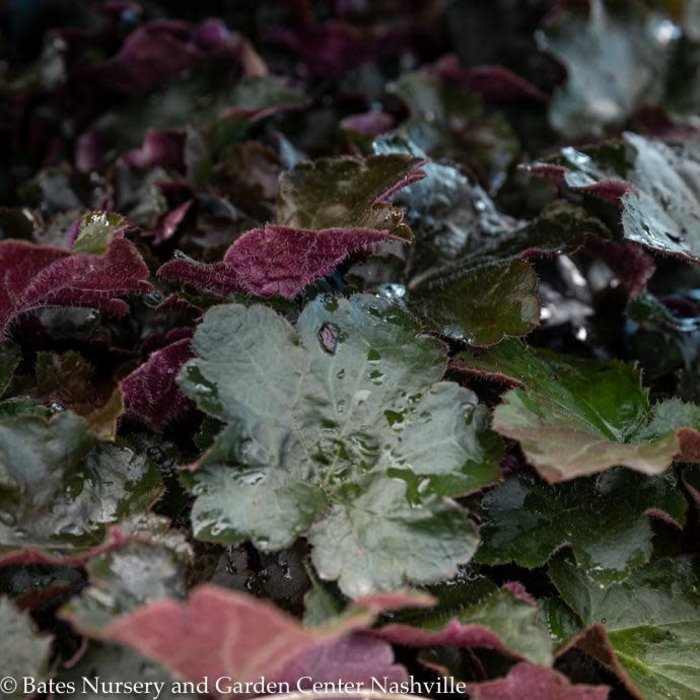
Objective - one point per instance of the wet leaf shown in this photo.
(481, 305)
(353, 438)
(151, 565)
(648, 626)
(575, 417)
(447, 121)
(614, 62)
(60, 488)
(604, 520)
(654, 184)
(462, 274)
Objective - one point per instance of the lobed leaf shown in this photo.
(604, 520)
(575, 417)
(34, 277)
(342, 429)
(646, 628)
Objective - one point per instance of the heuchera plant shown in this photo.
(354, 342)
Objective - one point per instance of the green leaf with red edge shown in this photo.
(654, 184)
(347, 193)
(605, 520)
(340, 429)
(575, 417)
(646, 628)
(473, 613)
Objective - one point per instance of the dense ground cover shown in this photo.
(354, 342)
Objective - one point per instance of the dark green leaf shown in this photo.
(603, 519)
(346, 193)
(10, 357)
(113, 665)
(463, 276)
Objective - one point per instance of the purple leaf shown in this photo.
(368, 123)
(160, 149)
(526, 680)
(152, 54)
(217, 633)
(632, 266)
(357, 659)
(150, 392)
(276, 260)
(33, 277)
(494, 83)
(169, 223)
(462, 636)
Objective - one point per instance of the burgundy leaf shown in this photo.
(33, 277)
(217, 278)
(276, 260)
(357, 659)
(328, 50)
(160, 149)
(368, 123)
(526, 680)
(150, 392)
(153, 53)
(169, 223)
(630, 263)
(220, 633)
(463, 636)
(494, 83)
(161, 49)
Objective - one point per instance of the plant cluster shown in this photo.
(348, 341)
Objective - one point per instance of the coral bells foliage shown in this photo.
(350, 344)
